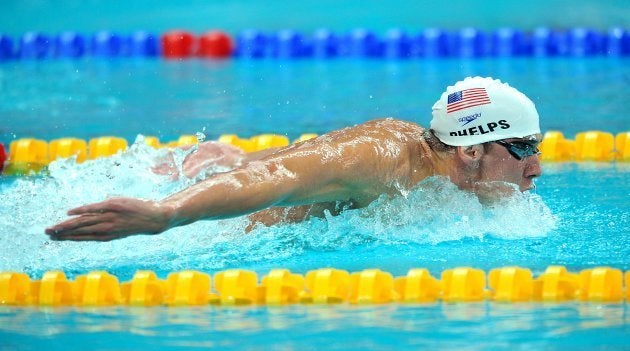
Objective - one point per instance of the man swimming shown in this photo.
(484, 134)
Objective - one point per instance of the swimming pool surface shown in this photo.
(578, 216)
(125, 97)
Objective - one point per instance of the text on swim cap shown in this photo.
(478, 130)
(467, 119)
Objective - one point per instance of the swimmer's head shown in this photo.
(477, 110)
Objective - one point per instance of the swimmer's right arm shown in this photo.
(293, 176)
(259, 185)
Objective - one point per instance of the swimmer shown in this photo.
(483, 136)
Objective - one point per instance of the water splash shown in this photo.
(434, 211)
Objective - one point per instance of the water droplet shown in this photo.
(200, 136)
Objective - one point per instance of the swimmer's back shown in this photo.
(378, 156)
(382, 156)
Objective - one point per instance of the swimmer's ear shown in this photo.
(470, 155)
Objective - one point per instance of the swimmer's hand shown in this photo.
(111, 219)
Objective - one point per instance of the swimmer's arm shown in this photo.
(289, 177)
(286, 178)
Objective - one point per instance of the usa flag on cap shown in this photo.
(467, 98)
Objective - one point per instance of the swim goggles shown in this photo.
(520, 149)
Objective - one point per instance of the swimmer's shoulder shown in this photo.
(393, 131)
(404, 157)
(392, 124)
(400, 128)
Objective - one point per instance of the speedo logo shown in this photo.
(467, 119)
(482, 129)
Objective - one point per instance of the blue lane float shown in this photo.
(363, 43)
(110, 44)
(35, 45)
(107, 44)
(469, 42)
(143, 43)
(70, 44)
(585, 42)
(546, 42)
(509, 42)
(397, 44)
(324, 44)
(433, 42)
(251, 43)
(289, 44)
(6, 48)
(617, 42)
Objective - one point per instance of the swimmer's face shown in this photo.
(513, 160)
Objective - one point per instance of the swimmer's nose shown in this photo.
(533, 168)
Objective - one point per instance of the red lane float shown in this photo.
(215, 44)
(178, 44)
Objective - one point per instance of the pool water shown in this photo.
(476, 326)
(577, 217)
(125, 97)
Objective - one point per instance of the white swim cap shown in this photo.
(478, 110)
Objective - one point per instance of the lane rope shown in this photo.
(322, 44)
(320, 286)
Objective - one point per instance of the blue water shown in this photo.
(407, 327)
(126, 97)
(578, 216)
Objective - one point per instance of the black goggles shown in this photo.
(520, 149)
